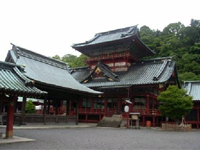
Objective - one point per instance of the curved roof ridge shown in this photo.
(158, 58)
(160, 71)
(130, 28)
(152, 51)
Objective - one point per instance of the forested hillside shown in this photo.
(176, 40)
(181, 42)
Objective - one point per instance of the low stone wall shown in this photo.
(175, 127)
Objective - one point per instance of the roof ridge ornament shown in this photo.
(100, 67)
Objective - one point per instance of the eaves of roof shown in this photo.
(113, 35)
(12, 81)
(193, 89)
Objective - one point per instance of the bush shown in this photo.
(30, 107)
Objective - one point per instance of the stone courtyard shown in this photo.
(105, 138)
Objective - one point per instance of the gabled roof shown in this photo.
(141, 73)
(193, 89)
(13, 81)
(46, 71)
(105, 70)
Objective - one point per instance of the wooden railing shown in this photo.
(113, 56)
(37, 118)
(110, 112)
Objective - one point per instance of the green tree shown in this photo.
(80, 61)
(175, 103)
(57, 57)
(150, 37)
(72, 60)
(30, 107)
(188, 76)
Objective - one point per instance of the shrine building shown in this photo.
(53, 77)
(118, 66)
(119, 69)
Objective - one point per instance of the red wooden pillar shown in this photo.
(67, 107)
(86, 118)
(10, 117)
(153, 104)
(153, 121)
(119, 104)
(70, 106)
(80, 103)
(77, 109)
(156, 121)
(147, 103)
(105, 104)
(48, 107)
(143, 120)
(44, 110)
(198, 122)
(92, 103)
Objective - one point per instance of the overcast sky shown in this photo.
(50, 27)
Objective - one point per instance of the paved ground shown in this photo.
(105, 138)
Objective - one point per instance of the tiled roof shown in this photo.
(46, 71)
(193, 89)
(13, 81)
(141, 73)
(110, 36)
(124, 37)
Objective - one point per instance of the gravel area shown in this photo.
(107, 139)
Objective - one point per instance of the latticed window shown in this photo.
(98, 103)
(86, 103)
(139, 103)
(112, 102)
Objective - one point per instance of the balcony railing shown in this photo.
(110, 112)
(113, 56)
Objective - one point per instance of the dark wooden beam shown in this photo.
(44, 110)
(23, 113)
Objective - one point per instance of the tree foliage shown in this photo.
(181, 42)
(72, 60)
(30, 107)
(175, 103)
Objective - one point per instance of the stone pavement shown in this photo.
(98, 138)
(16, 139)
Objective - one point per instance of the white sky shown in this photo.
(50, 27)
